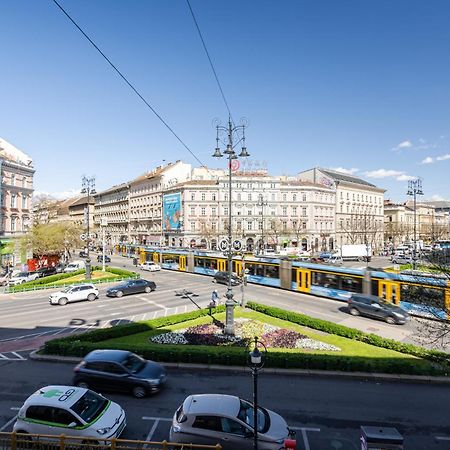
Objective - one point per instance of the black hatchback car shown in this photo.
(223, 277)
(119, 370)
(100, 259)
(131, 287)
(376, 307)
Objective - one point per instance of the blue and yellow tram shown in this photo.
(316, 279)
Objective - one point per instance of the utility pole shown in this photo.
(415, 189)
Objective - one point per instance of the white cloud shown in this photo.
(428, 160)
(404, 177)
(437, 198)
(61, 195)
(404, 144)
(382, 173)
(346, 171)
(443, 157)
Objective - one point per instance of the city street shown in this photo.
(27, 318)
(326, 413)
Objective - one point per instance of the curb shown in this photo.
(367, 376)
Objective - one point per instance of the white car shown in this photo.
(74, 266)
(74, 294)
(72, 411)
(151, 266)
(23, 277)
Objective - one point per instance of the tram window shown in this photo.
(250, 268)
(431, 297)
(351, 284)
(272, 272)
(211, 264)
(199, 262)
(331, 281)
(374, 287)
(294, 275)
(259, 270)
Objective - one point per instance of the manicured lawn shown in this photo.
(96, 275)
(348, 347)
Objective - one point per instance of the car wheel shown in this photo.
(139, 391)
(147, 289)
(390, 320)
(214, 280)
(62, 301)
(91, 297)
(119, 294)
(82, 384)
(354, 312)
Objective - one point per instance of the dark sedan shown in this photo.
(223, 277)
(46, 271)
(119, 370)
(131, 287)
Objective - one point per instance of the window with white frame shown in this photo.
(203, 196)
(284, 209)
(24, 202)
(249, 225)
(13, 200)
(203, 211)
(13, 223)
(294, 210)
(192, 226)
(213, 211)
(24, 181)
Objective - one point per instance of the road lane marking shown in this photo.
(304, 435)
(151, 432)
(163, 419)
(442, 438)
(18, 356)
(15, 408)
(7, 424)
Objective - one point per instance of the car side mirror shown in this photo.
(248, 433)
(376, 305)
(72, 425)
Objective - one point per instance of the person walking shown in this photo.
(214, 297)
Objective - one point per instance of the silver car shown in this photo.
(210, 419)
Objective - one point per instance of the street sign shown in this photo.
(223, 245)
(237, 245)
(83, 237)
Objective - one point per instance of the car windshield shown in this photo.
(133, 363)
(67, 289)
(90, 406)
(246, 415)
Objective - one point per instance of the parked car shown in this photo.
(223, 277)
(119, 370)
(401, 260)
(73, 411)
(376, 307)
(83, 254)
(23, 277)
(74, 294)
(74, 266)
(4, 278)
(131, 287)
(208, 419)
(335, 259)
(150, 266)
(60, 267)
(100, 259)
(46, 271)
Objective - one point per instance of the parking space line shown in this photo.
(18, 356)
(442, 438)
(304, 435)
(7, 424)
(162, 419)
(151, 432)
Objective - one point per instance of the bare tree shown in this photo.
(362, 228)
(433, 305)
(275, 231)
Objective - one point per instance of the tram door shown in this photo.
(238, 268)
(222, 265)
(303, 280)
(389, 290)
(156, 258)
(183, 263)
(142, 256)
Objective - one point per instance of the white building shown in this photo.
(359, 207)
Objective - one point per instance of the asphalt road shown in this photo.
(326, 413)
(28, 319)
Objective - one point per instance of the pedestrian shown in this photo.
(214, 297)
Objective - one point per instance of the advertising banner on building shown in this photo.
(172, 212)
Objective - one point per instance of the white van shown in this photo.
(74, 266)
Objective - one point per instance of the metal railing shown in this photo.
(20, 441)
(39, 287)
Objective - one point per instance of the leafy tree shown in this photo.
(52, 238)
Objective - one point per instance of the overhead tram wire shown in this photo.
(129, 84)
(210, 62)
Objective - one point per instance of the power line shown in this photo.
(210, 61)
(128, 83)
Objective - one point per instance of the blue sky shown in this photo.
(358, 85)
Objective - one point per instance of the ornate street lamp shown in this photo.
(88, 187)
(256, 360)
(414, 189)
(234, 136)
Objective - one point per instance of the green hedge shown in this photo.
(430, 362)
(48, 282)
(351, 333)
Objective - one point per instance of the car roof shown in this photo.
(64, 396)
(107, 355)
(217, 404)
(369, 297)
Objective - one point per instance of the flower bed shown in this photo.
(245, 330)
